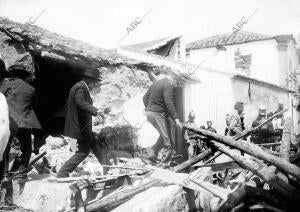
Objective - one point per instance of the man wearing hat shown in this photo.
(236, 120)
(191, 138)
(263, 134)
(209, 127)
(78, 124)
(21, 98)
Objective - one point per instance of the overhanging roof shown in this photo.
(262, 83)
(152, 45)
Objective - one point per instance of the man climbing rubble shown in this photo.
(161, 112)
(236, 120)
(78, 124)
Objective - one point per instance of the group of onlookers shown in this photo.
(268, 133)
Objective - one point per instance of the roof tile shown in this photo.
(228, 39)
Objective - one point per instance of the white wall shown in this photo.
(216, 95)
(264, 64)
(211, 99)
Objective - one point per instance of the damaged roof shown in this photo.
(46, 43)
(228, 39)
(40, 39)
(152, 45)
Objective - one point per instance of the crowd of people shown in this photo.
(271, 132)
(18, 120)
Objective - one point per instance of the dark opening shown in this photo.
(53, 82)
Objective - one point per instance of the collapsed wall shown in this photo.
(119, 86)
(57, 63)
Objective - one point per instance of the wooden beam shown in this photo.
(251, 149)
(249, 131)
(217, 154)
(52, 55)
(286, 140)
(269, 144)
(260, 169)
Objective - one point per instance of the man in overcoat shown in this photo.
(78, 124)
(21, 98)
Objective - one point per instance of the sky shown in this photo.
(105, 22)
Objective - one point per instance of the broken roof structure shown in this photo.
(150, 46)
(45, 43)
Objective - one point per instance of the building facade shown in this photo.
(261, 70)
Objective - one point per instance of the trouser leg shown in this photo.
(71, 164)
(160, 122)
(24, 136)
(153, 151)
(172, 132)
(101, 154)
(39, 140)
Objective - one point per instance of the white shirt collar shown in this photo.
(86, 85)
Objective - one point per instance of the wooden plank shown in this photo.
(116, 199)
(217, 154)
(189, 181)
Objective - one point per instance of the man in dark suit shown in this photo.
(21, 98)
(78, 124)
(160, 111)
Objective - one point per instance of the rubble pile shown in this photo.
(119, 86)
(253, 179)
(59, 150)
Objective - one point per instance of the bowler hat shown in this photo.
(3, 72)
(92, 73)
(19, 70)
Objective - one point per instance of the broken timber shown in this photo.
(260, 169)
(114, 200)
(253, 150)
(249, 131)
(286, 140)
